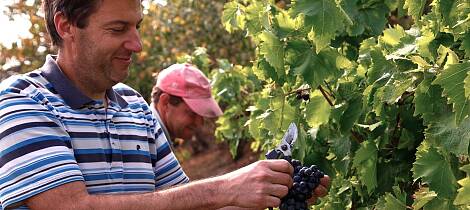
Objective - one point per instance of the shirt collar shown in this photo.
(68, 91)
(156, 113)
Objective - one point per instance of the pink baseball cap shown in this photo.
(189, 83)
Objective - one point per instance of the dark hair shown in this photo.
(75, 11)
(157, 92)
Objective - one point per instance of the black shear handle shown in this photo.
(275, 154)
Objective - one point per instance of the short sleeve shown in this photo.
(168, 171)
(35, 151)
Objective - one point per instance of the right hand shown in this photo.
(259, 185)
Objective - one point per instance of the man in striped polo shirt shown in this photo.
(73, 137)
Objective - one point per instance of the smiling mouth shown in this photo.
(125, 60)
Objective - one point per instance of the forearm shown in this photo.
(204, 194)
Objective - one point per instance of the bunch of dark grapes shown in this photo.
(305, 180)
(303, 94)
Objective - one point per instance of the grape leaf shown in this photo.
(256, 17)
(423, 44)
(446, 133)
(434, 170)
(273, 50)
(317, 110)
(390, 201)
(364, 162)
(287, 25)
(392, 36)
(380, 66)
(371, 17)
(466, 45)
(315, 68)
(429, 102)
(323, 17)
(463, 196)
(423, 196)
(351, 114)
(452, 81)
(415, 8)
(231, 16)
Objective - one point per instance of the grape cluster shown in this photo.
(303, 94)
(305, 180)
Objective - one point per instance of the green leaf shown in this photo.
(446, 55)
(322, 17)
(351, 114)
(317, 110)
(364, 162)
(423, 44)
(389, 201)
(415, 8)
(273, 50)
(315, 68)
(395, 88)
(453, 138)
(466, 45)
(232, 17)
(452, 81)
(256, 17)
(423, 196)
(371, 17)
(434, 170)
(392, 36)
(380, 67)
(287, 25)
(463, 196)
(429, 101)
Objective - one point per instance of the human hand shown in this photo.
(321, 190)
(259, 185)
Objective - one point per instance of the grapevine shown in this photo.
(387, 112)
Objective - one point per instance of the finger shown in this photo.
(325, 181)
(312, 200)
(320, 191)
(280, 165)
(272, 201)
(278, 190)
(280, 178)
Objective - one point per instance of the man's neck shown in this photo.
(87, 88)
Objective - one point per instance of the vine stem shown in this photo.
(295, 91)
(325, 95)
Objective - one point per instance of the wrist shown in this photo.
(222, 191)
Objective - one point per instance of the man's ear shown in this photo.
(64, 27)
(164, 100)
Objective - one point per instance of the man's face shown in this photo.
(181, 121)
(103, 49)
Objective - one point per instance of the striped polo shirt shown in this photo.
(52, 134)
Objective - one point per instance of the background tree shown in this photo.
(168, 32)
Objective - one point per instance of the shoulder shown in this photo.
(23, 83)
(128, 93)
(135, 101)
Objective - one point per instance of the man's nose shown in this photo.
(134, 43)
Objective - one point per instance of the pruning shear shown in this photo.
(284, 149)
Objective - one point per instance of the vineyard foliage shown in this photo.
(389, 100)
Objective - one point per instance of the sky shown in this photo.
(18, 28)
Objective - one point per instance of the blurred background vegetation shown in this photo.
(170, 30)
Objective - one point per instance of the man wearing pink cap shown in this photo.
(181, 99)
